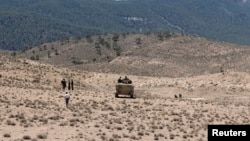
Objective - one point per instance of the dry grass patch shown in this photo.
(172, 136)
(44, 120)
(26, 137)
(6, 135)
(9, 122)
(63, 123)
(42, 136)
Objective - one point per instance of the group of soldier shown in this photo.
(125, 80)
(70, 84)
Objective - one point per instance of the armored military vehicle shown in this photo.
(124, 89)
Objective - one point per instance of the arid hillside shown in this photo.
(153, 54)
(32, 105)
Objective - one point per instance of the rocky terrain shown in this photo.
(32, 105)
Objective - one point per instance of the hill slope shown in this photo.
(156, 54)
(30, 22)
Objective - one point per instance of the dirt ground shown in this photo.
(32, 105)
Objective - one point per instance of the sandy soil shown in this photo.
(32, 106)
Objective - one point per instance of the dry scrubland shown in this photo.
(171, 56)
(32, 105)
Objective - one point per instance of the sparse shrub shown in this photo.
(56, 52)
(101, 41)
(107, 126)
(118, 50)
(109, 58)
(6, 135)
(184, 136)
(10, 123)
(63, 124)
(107, 44)
(42, 136)
(156, 137)
(45, 47)
(40, 49)
(73, 120)
(140, 133)
(23, 121)
(125, 136)
(37, 57)
(77, 62)
(26, 126)
(160, 36)
(111, 139)
(118, 121)
(171, 136)
(119, 128)
(200, 139)
(54, 117)
(147, 33)
(11, 116)
(35, 117)
(124, 35)
(167, 34)
(36, 80)
(49, 55)
(160, 135)
(26, 137)
(133, 137)
(116, 136)
(130, 129)
(89, 39)
(13, 54)
(32, 57)
(138, 41)
(43, 120)
(103, 138)
(115, 37)
(98, 51)
(64, 40)
(154, 127)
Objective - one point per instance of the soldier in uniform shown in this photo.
(125, 80)
(63, 82)
(120, 80)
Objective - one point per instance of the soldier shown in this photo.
(69, 85)
(63, 82)
(120, 80)
(72, 84)
(67, 97)
(125, 80)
